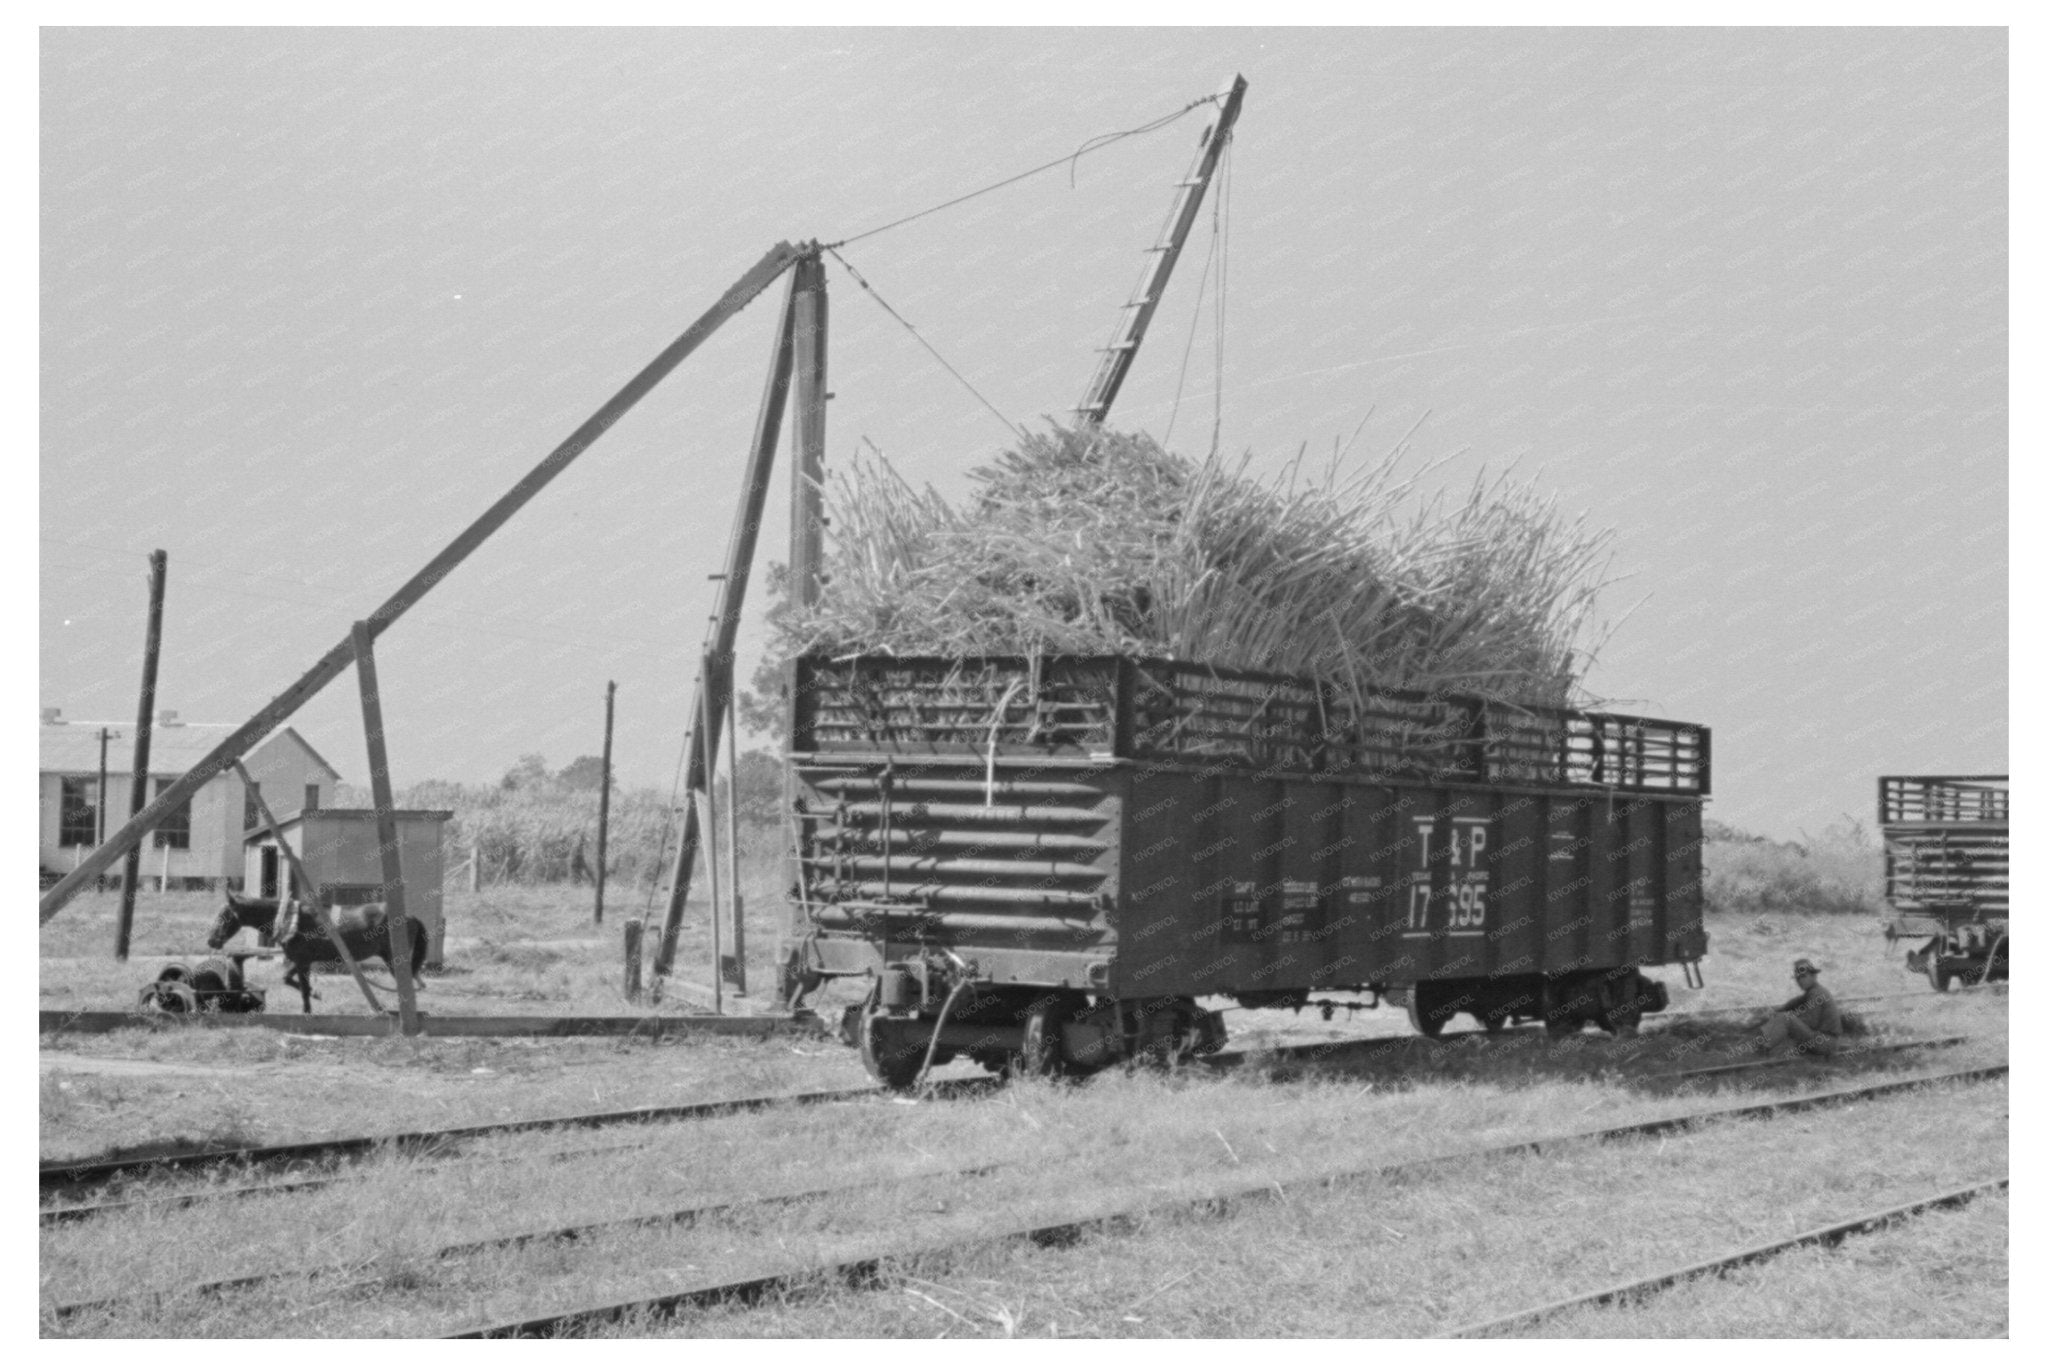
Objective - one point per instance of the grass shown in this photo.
(1407, 1256)
(1385, 1256)
(1945, 1274)
(1321, 1264)
(510, 949)
(533, 950)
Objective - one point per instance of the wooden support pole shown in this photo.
(387, 833)
(604, 798)
(313, 893)
(732, 964)
(709, 796)
(632, 982)
(337, 659)
(807, 477)
(145, 716)
(807, 518)
(732, 596)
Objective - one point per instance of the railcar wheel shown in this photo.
(1622, 1022)
(1622, 1008)
(890, 1049)
(1043, 1052)
(1937, 975)
(1426, 1011)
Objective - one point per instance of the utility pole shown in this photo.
(604, 796)
(99, 832)
(145, 714)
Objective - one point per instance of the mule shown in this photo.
(364, 928)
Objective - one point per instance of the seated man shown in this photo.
(1810, 1020)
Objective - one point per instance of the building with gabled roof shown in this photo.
(199, 846)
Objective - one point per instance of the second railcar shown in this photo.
(1948, 874)
(1046, 863)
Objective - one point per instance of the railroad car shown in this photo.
(1947, 874)
(1047, 863)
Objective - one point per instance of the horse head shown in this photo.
(225, 926)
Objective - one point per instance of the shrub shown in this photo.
(1839, 872)
(528, 831)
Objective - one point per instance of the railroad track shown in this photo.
(446, 1141)
(866, 1268)
(61, 1175)
(1053, 1234)
(67, 1213)
(1830, 1235)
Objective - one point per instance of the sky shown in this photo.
(310, 300)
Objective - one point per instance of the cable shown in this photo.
(1092, 144)
(214, 571)
(1194, 329)
(857, 279)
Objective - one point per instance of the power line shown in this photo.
(857, 279)
(212, 571)
(1091, 145)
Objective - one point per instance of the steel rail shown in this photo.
(679, 1217)
(74, 1174)
(50, 1215)
(63, 1174)
(1830, 1235)
(687, 1215)
(1847, 1054)
(865, 1268)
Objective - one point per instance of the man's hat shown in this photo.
(1804, 965)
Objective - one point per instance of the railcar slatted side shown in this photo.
(1943, 800)
(1181, 712)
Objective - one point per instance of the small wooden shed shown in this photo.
(339, 849)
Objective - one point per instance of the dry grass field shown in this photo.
(1409, 1255)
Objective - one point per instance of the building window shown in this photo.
(78, 813)
(252, 816)
(312, 796)
(175, 829)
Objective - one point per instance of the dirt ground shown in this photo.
(174, 1086)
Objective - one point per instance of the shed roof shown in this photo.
(331, 813)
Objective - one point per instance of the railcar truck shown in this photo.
(1048, 863)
